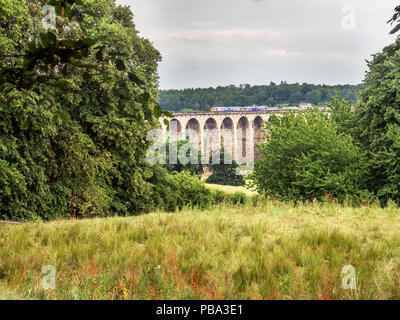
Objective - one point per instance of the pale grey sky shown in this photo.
(220, 42)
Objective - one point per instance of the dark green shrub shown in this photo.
(238, 198)
(165, 191)
(183, 150)
(175, 191)
(192, 191)
(225, 174)
(218, 196)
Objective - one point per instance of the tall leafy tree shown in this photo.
(306, 157)
(378, 115)
(75, 107)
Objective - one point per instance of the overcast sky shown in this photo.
(220, 42)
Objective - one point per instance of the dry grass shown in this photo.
(231, 189)
(272, 251)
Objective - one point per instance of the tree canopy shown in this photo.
(378, 118)
(246, 95)
(224, 171)
(306, 157)
(76, 103)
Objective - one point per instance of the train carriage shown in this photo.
(239, 109)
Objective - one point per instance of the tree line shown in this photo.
(247, 95)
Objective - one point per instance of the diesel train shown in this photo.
(238, 109)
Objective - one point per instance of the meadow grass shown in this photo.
(270, 251)
(232, 189)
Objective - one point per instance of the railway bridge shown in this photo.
(237, 132)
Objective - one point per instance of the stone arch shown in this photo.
(211, 137)
(210, 124)
(193, 132)
(174, 130)
(243, 126)
(227, 136)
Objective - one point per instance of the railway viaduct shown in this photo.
(237, 132)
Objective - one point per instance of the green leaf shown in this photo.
(396, 29)
(158, 111)
(61, 83)
(63, 116)
(168, 114)
(48, 38)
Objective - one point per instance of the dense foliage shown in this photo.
(186, 156)
(246, 95)
(178, 190)
(306, 158)
(224, 172)
(378, 116)
(74, 143)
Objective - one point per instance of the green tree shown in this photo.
(74, 143)
(378, 115)
(34, 128)
(187, 157)
(224, 172)
(282, 94)
(343, 115)
(378, 118)
(306, 157)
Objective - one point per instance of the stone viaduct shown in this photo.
(237, 132)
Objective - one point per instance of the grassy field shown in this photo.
(271, 251)
(231, 189)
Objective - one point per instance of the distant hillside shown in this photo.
(246, 95)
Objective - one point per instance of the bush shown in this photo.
(164, 190)
(192, 191)
(224, 172)
(219, 196)
(176, 191)
(184, 151)
(239, 198)
(306, 158)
